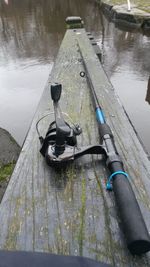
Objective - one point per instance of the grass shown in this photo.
(6, 171)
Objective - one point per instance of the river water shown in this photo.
(31, 32)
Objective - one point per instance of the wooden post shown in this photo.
(74, 23)
(129, 5)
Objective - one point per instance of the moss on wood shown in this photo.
(6, 171)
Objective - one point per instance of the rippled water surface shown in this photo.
(31, 32)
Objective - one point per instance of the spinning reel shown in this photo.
(60, 143)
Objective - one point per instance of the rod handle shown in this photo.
(133, 224)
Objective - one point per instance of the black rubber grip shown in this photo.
(134, 227)
(103, 130)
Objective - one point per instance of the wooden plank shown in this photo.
(70, 212)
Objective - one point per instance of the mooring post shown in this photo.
(129, 5)
(74, 22)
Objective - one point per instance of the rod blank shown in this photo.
(134, 227)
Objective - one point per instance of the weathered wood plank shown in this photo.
(70, 212)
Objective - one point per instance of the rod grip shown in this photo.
(134, 227)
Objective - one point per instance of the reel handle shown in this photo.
(62, 128)
(56, 90)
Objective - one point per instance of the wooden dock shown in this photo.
(70, 212)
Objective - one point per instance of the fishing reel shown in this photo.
(60, 143)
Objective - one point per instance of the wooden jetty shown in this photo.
(70, 212)
(129, 15)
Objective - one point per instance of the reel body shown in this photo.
(59, 146)
(59, 153)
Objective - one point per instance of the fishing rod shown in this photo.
(59, 147)
(134, 227)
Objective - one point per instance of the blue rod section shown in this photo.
(100, 116)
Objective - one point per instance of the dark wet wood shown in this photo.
(71, 212)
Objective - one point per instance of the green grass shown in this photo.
(6, 171)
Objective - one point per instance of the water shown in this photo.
(31, 32)
(127, 62)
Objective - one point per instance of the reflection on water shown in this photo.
(31, 32)
(127, 62)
